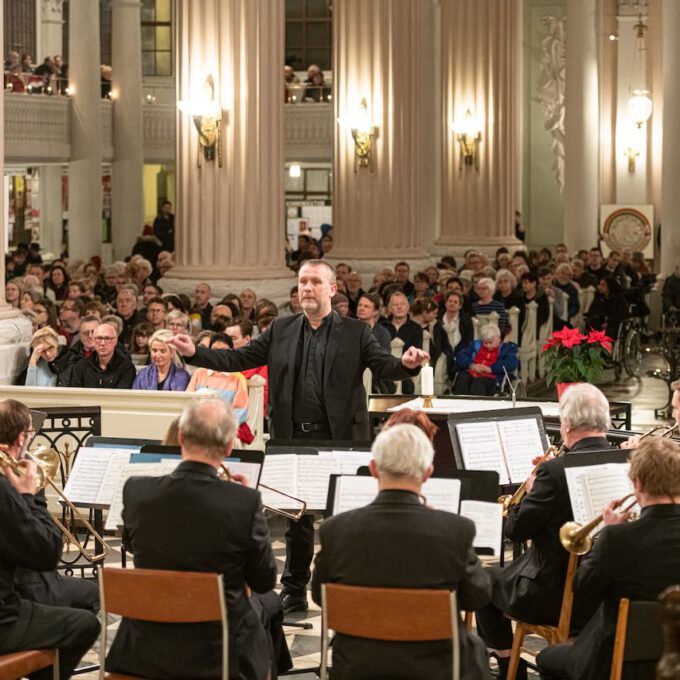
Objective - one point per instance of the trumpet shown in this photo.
(576, 538)
(47, 460)
(665, 431)
(224, 474)
(510, 500)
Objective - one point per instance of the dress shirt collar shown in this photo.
(195, 466)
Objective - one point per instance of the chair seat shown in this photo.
(19, 664)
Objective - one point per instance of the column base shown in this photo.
(273, 285)
(15, 339)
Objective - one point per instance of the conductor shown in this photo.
(316, 362)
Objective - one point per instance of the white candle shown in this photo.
(427, 381)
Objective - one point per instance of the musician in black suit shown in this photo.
(191, 520)
(316, 362)
(398, 542)
(636, 560)
(30, 539)
(531, 588)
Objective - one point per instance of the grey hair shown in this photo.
(584, 407)
(209, 425)
(178, 314)
(490, 332)
(486, 281)
(403, 451)
(165, 336)
(507, 274)
(564, 267)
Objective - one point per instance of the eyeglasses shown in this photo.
(104, 338)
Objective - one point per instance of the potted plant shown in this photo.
(571, 357)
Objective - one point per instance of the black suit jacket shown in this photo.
(398, 542)
(531, 587)
(352, 347)
(192, 521)
(637, 560)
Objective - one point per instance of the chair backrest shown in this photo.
(164, 597)
(567, 598)
(390, 614)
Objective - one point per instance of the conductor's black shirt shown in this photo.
(309, 405)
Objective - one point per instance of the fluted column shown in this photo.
(479, 72)
(378, 52)
(581, 127)
(85, 174)
(127, 182)
(670, 169)
(230, 219)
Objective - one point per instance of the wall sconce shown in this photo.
(468, 139)
(295, 170)
(207, 116)
(363, 134)
(632, 154)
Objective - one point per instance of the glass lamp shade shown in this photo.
(640, 107)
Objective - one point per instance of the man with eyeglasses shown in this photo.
(83, 347)
(107, 366)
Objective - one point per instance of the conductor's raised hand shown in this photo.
(185, 345)
(414, 357)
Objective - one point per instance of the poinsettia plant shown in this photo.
(571, 356)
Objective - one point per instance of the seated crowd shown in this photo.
(113, 326)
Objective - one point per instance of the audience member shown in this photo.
(44, 350)
(248, 300)
(452, 332)
(126, 309)
(156, 312)
(529, 283)
(57, 281)
(202, 306)
(486, 304)
(165, 371)
(140, 352)
(70, 315)
(402, 271)
(609, 307)
(164, 226)
(177, 322)
(14, 289)
(354, 290)
(340, 304)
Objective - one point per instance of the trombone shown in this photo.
(576, 538)
(665, 431)
(510, 500)
(224, 474)
(47, 460)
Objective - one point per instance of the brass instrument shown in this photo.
(510, 500)
(224, 474)
(47, 461)
(576, 538)
(665, 431)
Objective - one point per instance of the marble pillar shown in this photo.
(127, 185)
(480, 73)
(581, 126)
(85, 172)
(381, 212)
(230, 217)
(670, 164)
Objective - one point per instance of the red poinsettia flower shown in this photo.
(601, 337)
(573, 337)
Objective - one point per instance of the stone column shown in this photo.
(127, 184)
(380, 212)
(479, 72)
(230, 219)
(51, 207)
(581, 126)
(670, 168)
(85, 173)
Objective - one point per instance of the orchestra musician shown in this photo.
(316, 362)
(634, 441)
(396, 541)
(636, 560)
(30, 539)
(531, 587)
(191, 520)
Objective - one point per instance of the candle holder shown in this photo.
(427, 400)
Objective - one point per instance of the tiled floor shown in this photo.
(646, 394)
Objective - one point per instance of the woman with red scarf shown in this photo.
(484, 361)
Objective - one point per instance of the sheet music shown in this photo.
(250, 470)
(115, 516)
(442, 493)
(488, 519)
(592, 487)
(279, 472)
(480, 445)
(521, 440)
(90, 473)
(353, 492)
(349, 461)
(314, 475)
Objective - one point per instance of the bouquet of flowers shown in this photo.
(571, 356)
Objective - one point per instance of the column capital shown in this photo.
(52, 9)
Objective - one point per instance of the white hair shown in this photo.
(490, 332)
(403, 451)
(486, 281)
(209, 425)
(506, 274)
(584, 407)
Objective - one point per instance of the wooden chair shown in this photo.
(638, 635)
(19, 664)
(390, 614)
(554, 635)
(162, 597)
